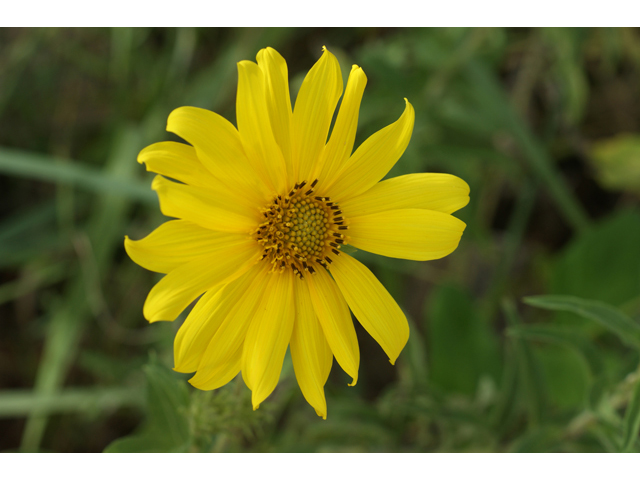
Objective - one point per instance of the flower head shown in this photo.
(262, 212)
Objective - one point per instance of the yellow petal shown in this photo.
(310, 352)
(197, 331)
(334, 316)
(372, 305)
(312, 114)
(183, 285)
(176, 160)
(172, 244)
(268, 337)
(207, 208)
(224, 320)
(254, 126)
(408, 233)
(276, 77)
(340, 145)
(218, 146)
(430, 191)
(373, 159)
(224, 373)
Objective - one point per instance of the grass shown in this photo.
(530, 118)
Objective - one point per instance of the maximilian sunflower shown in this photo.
(262, 211)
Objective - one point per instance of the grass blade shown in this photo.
(564, 336)
(19, 403)
(612, 319)
(534, 387)
(496, 102)
(631, 424)
(104, 233)
(42, 167)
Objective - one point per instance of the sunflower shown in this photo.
(262, 212)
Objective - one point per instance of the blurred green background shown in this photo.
(544, 125)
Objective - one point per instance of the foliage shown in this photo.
(525, 339)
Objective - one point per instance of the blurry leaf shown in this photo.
(631, 424)
(602, 263)
(540, 440)
(67, 321)
(167, 426)
(506, 405)
(49, 169)
(491, 98)
(534, 386)
(564, 336)
(413, 364)
(612, 319)
(152, 442)
(25, 222)
(566, 376)
(16, 403)
(569, 71)
(28, 234)
(597, 393)
(33, 279)
(462, 346)
(617, 162)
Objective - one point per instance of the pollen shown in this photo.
(301, 229)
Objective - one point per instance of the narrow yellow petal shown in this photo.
(430, 191)
(373, 159)
(334, 316)
(172, 244)
(268, 337)
(224, 373)
(276, 77)
(313, 111)
(340, 145)
(207, 208)
(408, 233)
(254, 126)
(181, 286)
(218, 146)
(229, 319)
(310, 352)
(372, 305)
(197, 331)
(177, 161)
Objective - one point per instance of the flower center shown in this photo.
(301, 229)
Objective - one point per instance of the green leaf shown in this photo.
(599, 263)
(167, 425)
(631, 424)
(566, 376)
(68, 318)
(533, 382)
(51, 169)
(16, 403)
(565, 336)
(539, 440)
(612, 319)
(462, 347)
(415, 358)
(617, 162)
(141, 443)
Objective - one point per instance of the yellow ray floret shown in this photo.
(261, 213)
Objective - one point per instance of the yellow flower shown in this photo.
(262, 213)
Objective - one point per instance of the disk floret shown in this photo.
(301, 229)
